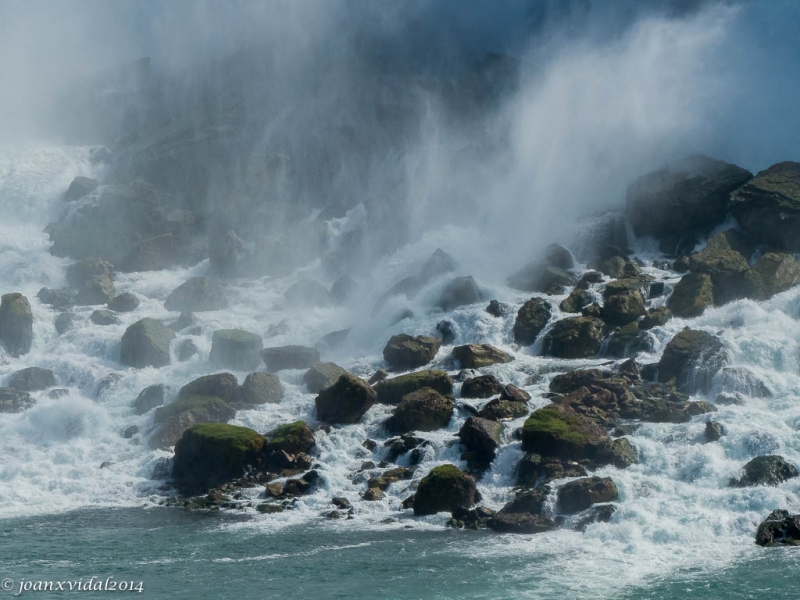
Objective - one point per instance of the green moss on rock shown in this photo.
(443, 489)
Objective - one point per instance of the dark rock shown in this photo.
(692, 358)
(613, 266)
(681, 264)
(12, 401)
(772, 274)
(308, 293)
(183, 414)
(628, 341)
(534, 470)
(260, 388)
(498, 410)
(765, 470)
(219, 385)
(404, 352)
(475, 356)
(524, 514)
(598, 513)
(333, 340)
(392, 391)
(657, 288)
(378, 376)
(16, 324)
(341, 502)
(532, 317)
(343, 289)
(779, 528)
(626, 284)
(346, 401)
(448, 332)
(184, 321)
(373, 495)
(422, 410)
(482, 437)
(731, 240)
(321, 376)
(558, 256)
(186, 350)
(58, 299)
(444, 489)
(80, 187)
(687, 195)
(658, 317)
(439, 263)
(235, 349)
(292, 438)
(93, 278)
(768, 206)
(32, 379)
(538, 277)
(197, 294)
(514, 394)
(146, 344)
(726, 268)
(104, 317)
(579, 495)
(149, 398)
(692, 295)
(621, 309)
(289, 357)
(498, 309)
(484, 386)
(130, 432)
(125, 302)
(576, 300)
(574, 337)
(462, 291)
(714, 431)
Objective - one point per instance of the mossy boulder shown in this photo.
(196, 295)
(260, 388)
(576, 300)
(765, 470)
(575, 337)
(772, 274)
(32, 379)
(657, 317)
(210, 454)
(391, 391)
(444, 489)
(475, 356)
(500, 410)
(16, 324)
(289, 357)
(183, 414)
(622, 308)
(220, 385)
(461, 291)
(346, 401)
(481, 437)
(483, 386)
(692, 358)
(580, 494)
(149, 398)
(532, 317)
(541, 277)
(146, 344)
(292, 438)
(236, 349)
(93, 280)
(125, 302)
(692, 295)
(726, 268)
(422, 410)
(404, 352)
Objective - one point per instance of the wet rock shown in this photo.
(744, 381)
(235, 349)
(104, 317)
(535, 469)
(289, 357)
(220, 385)
(149, 398)
(12, 401)
(524, 514)
(765, 470)
(498, 309)
(657, 288)
(532, 317)
(482, 437)
(621, 309)
(322, 375)
(484, 386)
(32, 379)
(260, 388)
(341, 502)
(126, 302)
(16, 324)
(186, 350)
(184, 321)
(626, 284)
(657, 317)
(210, 454)
(422, 410)
(692, 295)
(444, 489)
(447, 331)
(146, 344)
(779, 527)
(687, 195)
(292, 438)
(692, 358)
(574, 337)
(378, 376)
(713, 432)
(373, 495)
(197, 294)
(392, 391)
(499, 409)
(58, 299)
(184, 413)
(681, 264)
(538, 277)
(346, 401)
(772, 274)
(308, 293)
(579, 495)
(514, 394)
(93, 279)
(439, 263)
(461, 291)
(404, 352)
(726, 268)
(475, 356)
(613, 266)
(768, 206)
(333, 340)
(598, 513)
(343, 289)
(576, 300)
(80, 187)
(130, 432)
(628, 341)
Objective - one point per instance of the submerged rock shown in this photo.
(532, 317)
(391, 391)
(197, 294)
(462, 291)
(346, 401)
(444, 489)
(422, 410)
(32, 379)
(149, 398)
(16, 324)
(236, 349)
(475, 356)
(260, 388)
(765, 470)
(146, 344)
(574, 337)
(404, 352)
(692, 358)
(289, 357)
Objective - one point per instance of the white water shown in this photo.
(675, 510)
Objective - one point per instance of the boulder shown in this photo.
(574, 337)
(497, 309)
(93, 279)
(779, 527)
(475, 356)
(576, 300)
(422, 410)
(184, 321)
(535, 469)
(765, 470)
(289, 357)
(514, 394)
(228, 253)
(613, 266)
(125, 302)
(484, 386)
(149, 398)
(146, 344)
(499, 410)
(768, 207)
(532, 317)
(391, 391)
(404, 352)
(64, 322)
(692, 358)
(622, 308)
(539, 277)
(292, 438)
(657, 317)
(727, 270)
(444, 489)
(628, 341)
(80, 187)
(580, 494)
(322, 375)
(346, 401)
(772, 274)
(32, 379)
(260, 388)
(235, 349)
(104, 317)
(558, 256)
(308, 293)
(197, 294)
(447, 331)
(626, 284)
(12, 401)
(58, 299)
(713, 431)
(525, 514)
(185, 413)
(688, 195)
(461, 291)
(210, 454)
(219, 385)
(186, 350)
(731, 240)
(481, 437)
(692, 295)
(439, 263)
(343, 289)
(16, 324)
